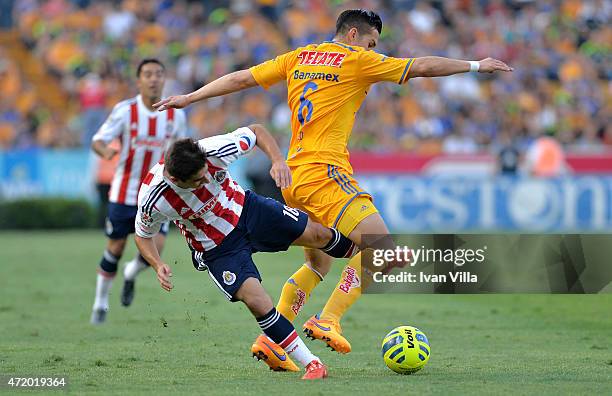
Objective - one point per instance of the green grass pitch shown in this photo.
(192, 341)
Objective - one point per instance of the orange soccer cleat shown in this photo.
(272, 354)
(315, 370)
(328, 331)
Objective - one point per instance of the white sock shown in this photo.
(103, 285)
(300, 352)
(133, 268)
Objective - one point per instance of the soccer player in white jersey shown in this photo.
(144, 134)
(224, 225)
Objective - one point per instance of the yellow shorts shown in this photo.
(329, 195)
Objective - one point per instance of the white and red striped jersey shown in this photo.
(205, 215)
(144, 137)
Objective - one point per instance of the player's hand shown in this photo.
(109, 153)
(490, 65)
(175, 102)
(281, 174)
(163, 276)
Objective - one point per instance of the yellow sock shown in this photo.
(296, 291)
(347, 291)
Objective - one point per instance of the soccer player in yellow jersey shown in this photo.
(326, 85)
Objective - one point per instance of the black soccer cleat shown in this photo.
(127, 293)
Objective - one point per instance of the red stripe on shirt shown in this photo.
(178, 204)
(226, 214)
(146, 163)
(170, 114)
(191, 239)
(203, 194)
(148, 178)
(127, 168)
(210, 231)
(232, 194)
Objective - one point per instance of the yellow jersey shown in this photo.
(326, 85)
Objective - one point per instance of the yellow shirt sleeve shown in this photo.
(375, 67)
(272, 71)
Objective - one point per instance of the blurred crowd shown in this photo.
(560, 51)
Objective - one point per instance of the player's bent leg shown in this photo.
(298, 288)
(348, 290)
(361, 217)
(327, 330)
(282, 340)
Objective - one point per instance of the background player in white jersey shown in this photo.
(224, 226)
(144, 135)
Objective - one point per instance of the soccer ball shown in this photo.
(405, 349)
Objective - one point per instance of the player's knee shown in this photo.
(109, 262)
(319, 234)
(116, 246)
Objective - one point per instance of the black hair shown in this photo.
(184, 159)
(363, 20)
(147, 61)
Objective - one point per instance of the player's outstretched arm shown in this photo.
(436, 66)
(148, 250)
(265, 141)
(229, 83)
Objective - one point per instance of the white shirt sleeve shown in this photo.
(149, 221)
(114, 124)
(229, 147)
(148, 224)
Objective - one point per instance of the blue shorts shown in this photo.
(120, 221)
(265, 225)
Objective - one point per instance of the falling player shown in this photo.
(327, 84)
(144, 134)
(224, 226)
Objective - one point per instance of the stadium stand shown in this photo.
(85, 53)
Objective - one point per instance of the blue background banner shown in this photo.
(21, 174)
(449, 204)
(407, 203)
(42, 173)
